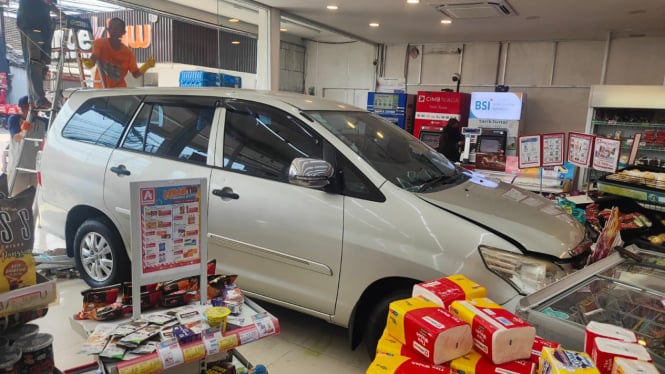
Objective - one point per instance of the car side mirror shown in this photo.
(310, 172)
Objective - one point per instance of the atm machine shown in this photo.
(398, 108)
(434, 109)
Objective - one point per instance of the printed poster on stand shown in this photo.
(580, 147)
(606, 154)
(553, 149)
(530, 151)
(169, 225)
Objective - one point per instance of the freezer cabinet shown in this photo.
(625, 292)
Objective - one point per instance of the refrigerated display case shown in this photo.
(624, 291)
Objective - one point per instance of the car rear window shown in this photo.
(102, 120)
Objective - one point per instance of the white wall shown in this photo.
(341, 71)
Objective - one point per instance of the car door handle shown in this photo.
(120, 170)
(226, 193)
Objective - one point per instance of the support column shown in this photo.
(268, 45)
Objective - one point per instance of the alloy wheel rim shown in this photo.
(96, 257)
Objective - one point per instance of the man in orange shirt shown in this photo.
(114, 59)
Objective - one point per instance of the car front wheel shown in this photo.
(100, 254)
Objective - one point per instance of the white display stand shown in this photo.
(169, 220)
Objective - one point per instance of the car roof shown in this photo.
(299, 101)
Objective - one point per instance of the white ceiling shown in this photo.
(535, 20)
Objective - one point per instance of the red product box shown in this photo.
(605, 330)
(446, 290)
(475, 363)
(537, 348)
(605, 350)
(498, 334)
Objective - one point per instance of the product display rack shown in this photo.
(619, 112)
(253, 324)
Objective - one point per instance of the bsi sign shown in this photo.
(496, 105)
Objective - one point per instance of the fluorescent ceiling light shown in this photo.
(283, 29)
(446, 21)
(332, 7)
(374, 24)
(412, 1)
(235, 42)
(234, 20)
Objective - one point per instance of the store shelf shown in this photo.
(628, 124)
(33, 297)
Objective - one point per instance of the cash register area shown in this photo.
(304, 345)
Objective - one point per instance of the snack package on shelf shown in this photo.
(17, 266)
(498, 334)
(424, 327)
(561, 361)
(446, 290)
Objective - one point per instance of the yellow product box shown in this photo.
(628, 366)
(17, 270)
(388, 364)
(561, 361)
(474, 363)
(446, 290)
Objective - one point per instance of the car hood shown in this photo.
(536, 223)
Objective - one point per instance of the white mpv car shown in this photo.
(317, 206)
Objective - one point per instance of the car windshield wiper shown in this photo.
(443, 179)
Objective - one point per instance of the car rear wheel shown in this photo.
(376, 321)
(100, 254)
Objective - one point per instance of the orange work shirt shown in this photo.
(113, 63)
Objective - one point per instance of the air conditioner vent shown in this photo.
(475, 9)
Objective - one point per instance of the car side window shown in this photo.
(176, 129)
(102, 120)
(261, 141)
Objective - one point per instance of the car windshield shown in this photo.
(397, 155)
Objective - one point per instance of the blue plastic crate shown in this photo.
(198, 78)
(228, 80)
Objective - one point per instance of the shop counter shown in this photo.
(252, 324)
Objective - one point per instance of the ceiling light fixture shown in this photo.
(332, 7)
(234, 20)
(374, 24)
(235, 42)
(446, 21)
(283, 29)
(412, 1)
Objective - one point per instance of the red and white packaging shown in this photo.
(388, 364)
(538, 345)
(605, 330)
(498, 334)
(627, 366)
(605, 350)
(474, 363)
(446, 290)
(431, 331)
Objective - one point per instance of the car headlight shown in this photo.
(525, 274)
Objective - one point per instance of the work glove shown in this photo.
(150, 63)
(88, 63)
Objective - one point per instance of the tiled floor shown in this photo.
(305, 344)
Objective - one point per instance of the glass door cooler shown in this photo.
(626, 291)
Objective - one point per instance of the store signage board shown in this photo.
(553, 148)
(606, 153)
(579, 148)
(496, 105)
(436, 108)
(169, 222)
(530, 151)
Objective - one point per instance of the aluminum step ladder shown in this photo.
(22, 168)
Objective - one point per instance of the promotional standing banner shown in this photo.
(606, 153)
(553, 149)
(579, 148)
(530, 151)
(169, 223)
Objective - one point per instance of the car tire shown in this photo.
(376, 321)
(100, 255)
